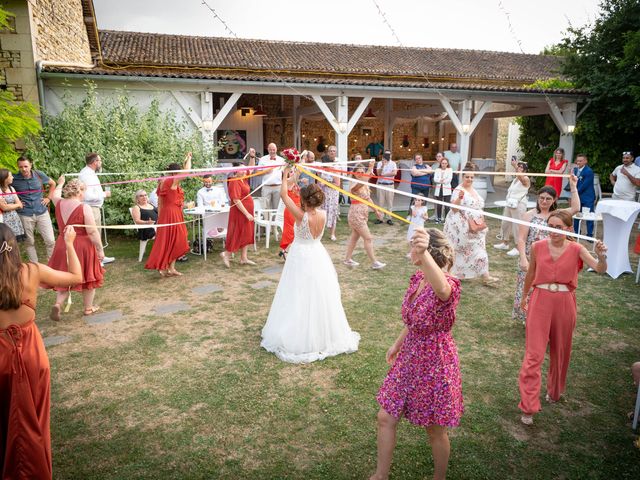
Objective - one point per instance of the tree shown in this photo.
(17, 119)
(603, 59)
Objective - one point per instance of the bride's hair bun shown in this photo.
(312, 195)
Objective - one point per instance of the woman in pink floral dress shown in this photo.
(424, 383)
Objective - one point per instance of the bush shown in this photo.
(128, 140)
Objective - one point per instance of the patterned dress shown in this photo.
(359, 212)
(12, 219)
(471, 260)
(331, 198)
(533, 236)
(424, 383)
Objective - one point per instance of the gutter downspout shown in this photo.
(40, 84)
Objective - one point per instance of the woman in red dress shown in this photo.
(71, 211)
(25, 438)
(293, 190)
(171, 242)
(551, 311)
(556, 165)
(240, 228)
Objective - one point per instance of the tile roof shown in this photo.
(180, 56)
(214, 52)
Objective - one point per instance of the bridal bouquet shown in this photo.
(291, 156)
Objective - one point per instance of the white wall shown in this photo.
(142, 94)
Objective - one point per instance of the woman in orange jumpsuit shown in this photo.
(551, 313)
(25, 438)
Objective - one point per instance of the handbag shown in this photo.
(512, 203)
(477, 225)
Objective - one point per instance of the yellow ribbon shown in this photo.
(351, 195)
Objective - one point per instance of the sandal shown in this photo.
(91, 310)
(527, 419)
(247, 262)
(282, 254)
(54, 314)
(489, 282)
(175, 273)
(225, 260)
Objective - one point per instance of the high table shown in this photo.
(485, 165)
(208, 218)
(618, 217)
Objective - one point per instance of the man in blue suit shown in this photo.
(586, 191)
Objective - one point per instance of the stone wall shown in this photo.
(17, 70)
(59, 31)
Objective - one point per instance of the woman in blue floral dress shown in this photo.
(424, 383)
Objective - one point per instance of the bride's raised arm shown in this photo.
(295, 210)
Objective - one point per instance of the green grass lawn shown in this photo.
(192, 395)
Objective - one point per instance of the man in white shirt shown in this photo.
(386, 171)
(625, 179)
(94, 195)
(211, 193)
(455, 162)
(272, 179)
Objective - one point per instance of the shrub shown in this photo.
(129, 140)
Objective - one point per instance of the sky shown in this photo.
(499, 25)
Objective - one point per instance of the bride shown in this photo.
(306, 321)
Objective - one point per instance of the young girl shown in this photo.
(306, 321)
(358, 217)
(419, 214)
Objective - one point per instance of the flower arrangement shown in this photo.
(291, 155)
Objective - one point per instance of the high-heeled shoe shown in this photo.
(283, 255)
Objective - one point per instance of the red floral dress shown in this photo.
(424, 383)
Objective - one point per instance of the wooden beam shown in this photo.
(453, 116)
(224, 111)
(328, 114)
(357, 114)
(182, 101)
(476, 119)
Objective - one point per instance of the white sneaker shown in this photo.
(333, 238)
(513, 252)
(351, 263)
(106, 260)
(501, 246)
(378, 265)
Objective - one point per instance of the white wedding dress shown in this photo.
(306, 321)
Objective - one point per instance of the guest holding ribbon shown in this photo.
(240, 226)
(527, 234)
(171, 241)
(358, 218)
(71, 210)
(516, 207)
(24, 366)
(467, 231)
(424, 383)
(551, 311)
(9, 204)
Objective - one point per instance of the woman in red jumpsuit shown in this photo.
(551, 312)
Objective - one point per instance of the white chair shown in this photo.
(279, 218)
(215, 226)
(263, 218)
(597, 188)
(143, 243)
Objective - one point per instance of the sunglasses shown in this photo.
(624, 154)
